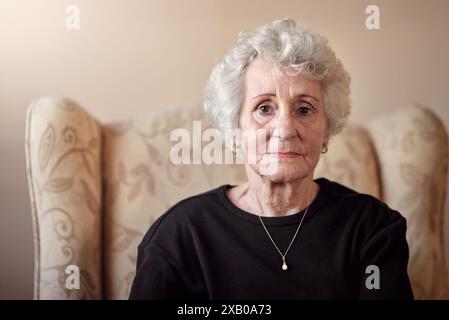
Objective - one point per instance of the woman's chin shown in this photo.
(285, 173)
(282, 178)
(277, 169)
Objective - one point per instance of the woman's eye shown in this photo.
(304, 110)
(264, 109)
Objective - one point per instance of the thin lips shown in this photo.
(284, 152)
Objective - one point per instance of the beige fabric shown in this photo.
(412, 146)
(63, 146)
(139, 183)
(351, 160)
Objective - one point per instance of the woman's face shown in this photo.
(290, 112)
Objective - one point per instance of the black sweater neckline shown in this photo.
(283, 220)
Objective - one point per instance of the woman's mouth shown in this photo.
(284, 155)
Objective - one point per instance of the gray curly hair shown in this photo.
(290, 46)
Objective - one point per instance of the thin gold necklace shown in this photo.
(284, 264)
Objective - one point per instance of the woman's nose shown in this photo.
(284, 126)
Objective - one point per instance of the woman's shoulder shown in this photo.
(369, 219)
(179, 216)
(366, 205)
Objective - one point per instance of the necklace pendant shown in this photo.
(284, 266)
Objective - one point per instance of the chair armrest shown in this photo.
(412, 148)
(63, 148)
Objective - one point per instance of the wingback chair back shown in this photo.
(95, 189)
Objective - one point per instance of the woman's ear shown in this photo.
(232, 139)
(325, 139)
(237, 138)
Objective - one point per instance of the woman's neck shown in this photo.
(267, 198)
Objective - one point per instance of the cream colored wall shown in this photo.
(138, 57)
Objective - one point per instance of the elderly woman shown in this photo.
(282, 234)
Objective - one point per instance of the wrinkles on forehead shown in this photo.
(265, 78)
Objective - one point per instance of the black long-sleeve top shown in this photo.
(350, 246)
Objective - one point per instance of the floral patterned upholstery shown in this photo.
(96, 188)
(63, 148)
(412, 149)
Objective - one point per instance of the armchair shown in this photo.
(95, 188)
